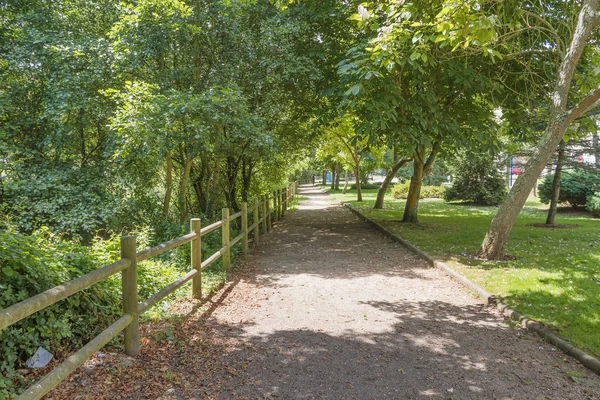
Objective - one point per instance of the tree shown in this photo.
(560, 117)
(476, 179)
(409, 81)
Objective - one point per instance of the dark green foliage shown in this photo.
(575, 187)
(593, 203)
(477, 180)
(438, 174)
(30, 264)
(400, 191)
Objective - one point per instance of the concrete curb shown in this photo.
(587, 360)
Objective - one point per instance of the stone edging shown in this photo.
(587, 360)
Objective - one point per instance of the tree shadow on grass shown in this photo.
(571, 302)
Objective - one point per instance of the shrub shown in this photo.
(400, 191)
(575, 187)
(433, 192)
(593, 203)
(366, 186)
(30, 264)
(476, 179)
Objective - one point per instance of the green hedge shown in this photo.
(400, 191)
(366, 186)
(575, 187)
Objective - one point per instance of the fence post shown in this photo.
(275, 207)
(255, 218)
(130, 295)
(244, 227)
(225, 240)
(265, 214)
(278, 195)
(269, 216)
(196, 248)
(283, 202)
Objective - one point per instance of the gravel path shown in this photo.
(325, 307)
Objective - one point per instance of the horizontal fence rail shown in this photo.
(270, 208)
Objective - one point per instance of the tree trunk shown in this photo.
(556, 184)
(345, 182)
(231, 176)
(387, 182)
(495, 241)
(168, 185)
(213, 188)
(338, 171)
(356, 172)
(183, 188)
(199, 177)
(596, 147)
(420, 169)
(323, 177)
(332, 176)
(247, 167)
(412, 201)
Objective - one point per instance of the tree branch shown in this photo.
(429, 163)
(583, 105)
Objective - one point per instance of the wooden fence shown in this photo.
(271, 208)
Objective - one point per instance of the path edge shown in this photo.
(590, 362)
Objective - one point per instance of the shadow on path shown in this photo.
(327, 308)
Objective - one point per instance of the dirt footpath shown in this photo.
(332, 310)
(327, 308)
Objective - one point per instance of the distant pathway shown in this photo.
(327, 308)
(333, 310)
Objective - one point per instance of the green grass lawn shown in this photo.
(554, 279)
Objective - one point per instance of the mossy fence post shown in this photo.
(196, 249)
(244, 227)
(130, 295)
(268, 216)
(275, 207)
(225, 240)
(283, 201)
(255, 221)
(264, 214)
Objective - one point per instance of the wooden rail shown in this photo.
(271, 209)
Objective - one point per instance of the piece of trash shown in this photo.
(451, 390)
(101, 355)
(40, 359)
(165, 306)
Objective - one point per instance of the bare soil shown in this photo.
(325, 307)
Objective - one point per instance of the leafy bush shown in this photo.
(575, 187)
(433, 192)
(476, 179)
(366, 186)
(32, 264)
(74, 201)
(400, 191)
(593, 203)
